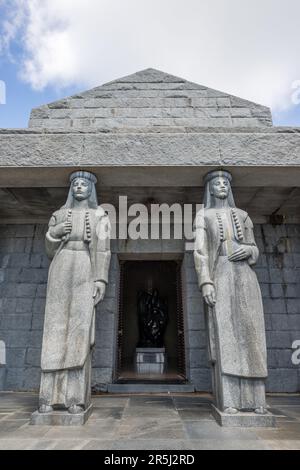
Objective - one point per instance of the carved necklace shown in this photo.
(88, 230)
(87, 225)
(221, 228)
(237, 226)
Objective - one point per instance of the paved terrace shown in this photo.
(154, 422)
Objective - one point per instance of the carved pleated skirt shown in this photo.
(68, 330)
(65, 388)
(237, 337)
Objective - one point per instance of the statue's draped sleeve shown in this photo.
(201, 252)
(102, 252)
(250, 240)
(52, 244)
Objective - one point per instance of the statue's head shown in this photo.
(218, 186)
(82, 187)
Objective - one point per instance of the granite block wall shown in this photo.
(197, 366)
(278, 272)
(23, 278)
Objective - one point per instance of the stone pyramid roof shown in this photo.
(148, 101)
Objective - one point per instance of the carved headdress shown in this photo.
(92, 201)
(209, 177)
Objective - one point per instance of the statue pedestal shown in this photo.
(244, 420)
(150, 360)
(60, 418)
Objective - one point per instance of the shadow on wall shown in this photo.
(2, 364)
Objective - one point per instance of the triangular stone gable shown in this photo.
(149, 100)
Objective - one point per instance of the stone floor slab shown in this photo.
(139, 411)
(195, 415)
(282, 444)
(151, 429)
(211, 430)
(115, 412)
(146, 422)
(102, 429)
(103, 401)
(150, 444)
(233, 444)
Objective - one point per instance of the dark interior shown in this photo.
(144, 276)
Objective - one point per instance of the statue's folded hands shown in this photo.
(244, 252)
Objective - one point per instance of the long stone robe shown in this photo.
(235, 325)
(82, 258)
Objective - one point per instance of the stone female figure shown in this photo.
(78, 243)
(225, 252)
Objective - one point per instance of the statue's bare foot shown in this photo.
(45, 409)
(260, 411)
(231, 411)
(75, 409)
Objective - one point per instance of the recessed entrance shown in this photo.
(151, 327)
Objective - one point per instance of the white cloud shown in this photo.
(12, 21)
(250, 48)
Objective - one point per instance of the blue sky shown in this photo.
(53, 48)
(21, 97)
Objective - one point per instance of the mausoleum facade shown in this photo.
(149, 138)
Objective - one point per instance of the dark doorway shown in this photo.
(147, 276)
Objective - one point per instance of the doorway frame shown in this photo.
(182, 364)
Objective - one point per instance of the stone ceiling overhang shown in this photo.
(169, 167)
(257, 157)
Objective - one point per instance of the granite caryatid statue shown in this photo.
(78, 243)
(225, 252)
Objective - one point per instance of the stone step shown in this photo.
(150, 388)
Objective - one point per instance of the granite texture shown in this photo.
(60, 418)
(23, 276)
(225, 253)
(2, 376)
(278, 275)
(147, 422)
(23, 148)
(150, 98)
(244, 420)
(24, 265)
